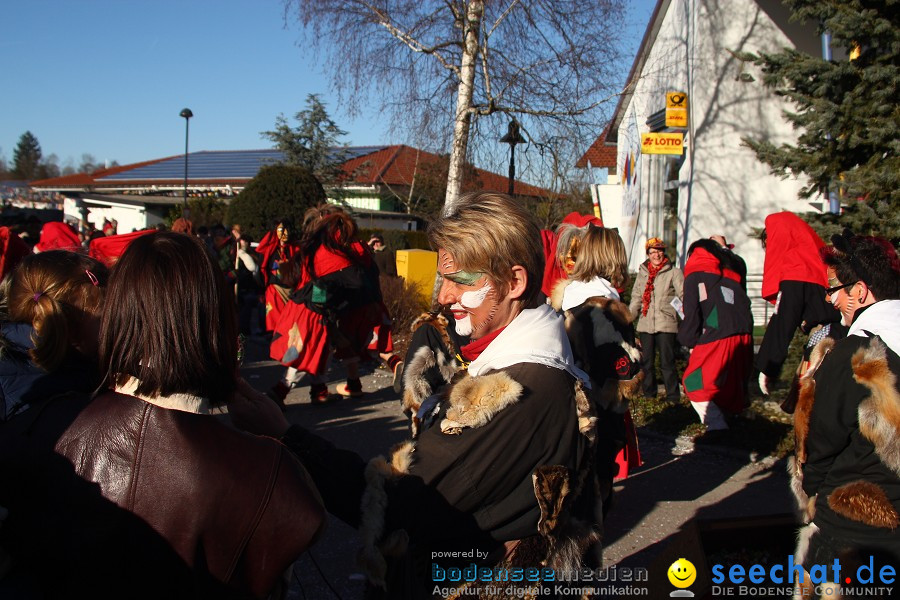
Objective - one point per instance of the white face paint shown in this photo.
(463, 325)
(462, 309)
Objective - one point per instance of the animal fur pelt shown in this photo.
(416, 385)
(560, 542)
(805, 400)
(601, 336)
(375, 545)
(879, 422)
(879, 414)
(476, 400)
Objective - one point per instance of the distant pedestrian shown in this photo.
(659, 283)
(384, 258)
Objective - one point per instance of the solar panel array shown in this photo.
(220, 165)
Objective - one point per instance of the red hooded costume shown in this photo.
(56, 235)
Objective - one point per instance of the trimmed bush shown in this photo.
(277, 191)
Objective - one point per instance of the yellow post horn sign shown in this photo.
(676, 109)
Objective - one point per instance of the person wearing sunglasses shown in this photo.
(847, 470)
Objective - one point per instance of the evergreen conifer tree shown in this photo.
(846, 113)
(27, 157)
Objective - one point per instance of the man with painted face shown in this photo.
(847, 470)
(508, 439)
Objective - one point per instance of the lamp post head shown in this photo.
(186, 113)
(512, 136)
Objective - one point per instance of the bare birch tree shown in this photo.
(436, 62)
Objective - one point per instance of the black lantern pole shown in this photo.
(187, 114)
(512, 138)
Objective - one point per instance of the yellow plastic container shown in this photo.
(418, 268)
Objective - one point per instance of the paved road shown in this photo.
(678, 487)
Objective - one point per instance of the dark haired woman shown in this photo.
(236, 509)
(718, 328)
(337, 307)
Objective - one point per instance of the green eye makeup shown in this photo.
(464, 277)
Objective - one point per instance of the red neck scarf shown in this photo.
(648, 291)
(473, 349)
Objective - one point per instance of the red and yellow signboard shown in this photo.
(676, 109)
(662, 143)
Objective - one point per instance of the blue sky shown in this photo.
(110, 77)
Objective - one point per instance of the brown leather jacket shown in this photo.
(237, 509)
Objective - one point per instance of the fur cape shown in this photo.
(611, 393)
(879, 423)
(559, 540)
(416, 385)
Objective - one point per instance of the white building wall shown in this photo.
(722, 187)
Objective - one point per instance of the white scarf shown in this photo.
(881, 319)
(577, 292)
(536, 335)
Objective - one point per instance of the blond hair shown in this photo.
(492, 232)
(56, 292)
(598, 252)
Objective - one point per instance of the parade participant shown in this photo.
(598, 325)
(384, 258)
(491, 468)
(718, 327)
(277, 248)
(248, 284)
(847, 470)
(738, 264)
(236, 509)
(337, 307)
(794, 281)
(12, 250)
(553, 271)
(657, 284)
(57, 235)
(49, 338)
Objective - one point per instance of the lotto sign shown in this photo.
(676, 109)
(662, 143)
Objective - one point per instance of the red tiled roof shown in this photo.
(599, 155)
(389, 165)
(396, 165)
(87, 179)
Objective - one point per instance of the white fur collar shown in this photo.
(577, 292)
(183, 402)
(536, 335)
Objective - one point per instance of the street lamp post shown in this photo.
(512, 138)
(187, 114)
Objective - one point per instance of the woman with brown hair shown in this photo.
(49, 340)
(236, 509)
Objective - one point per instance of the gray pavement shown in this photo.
(678, 487)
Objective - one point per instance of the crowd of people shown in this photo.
(115, 361)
